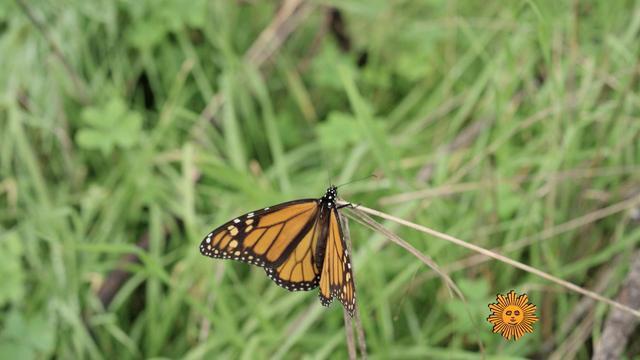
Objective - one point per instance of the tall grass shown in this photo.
(135, 127)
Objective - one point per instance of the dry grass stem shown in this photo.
(582, 309)
(451, 286)
(549, 233)
(290, 15)
(619, 328)
(356, 319)
(566, 284)
(362, 343)
(348, 332)
(569, 348)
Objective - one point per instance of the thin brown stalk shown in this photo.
(119, 276)
(347, 319)
(362, 343)
(314, 48)
(583, 308)
(348, 331)
(566, 284)
(427, 260)
(549, 233)
(618, 328)
(572, 345)
(290, 15)
(451, 286)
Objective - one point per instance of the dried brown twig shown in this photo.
(502, 258)
(351, 347)
(578, 222)
(118, 277)
(619, 326)
(289, 16)
(582, 310)
(364, 219)
(348, 330)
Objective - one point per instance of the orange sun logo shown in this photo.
(512, 316)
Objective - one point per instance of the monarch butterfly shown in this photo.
(298, 243)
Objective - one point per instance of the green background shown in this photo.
(125, 121)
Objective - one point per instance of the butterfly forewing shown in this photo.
(282, 239)
(336, 280)
(261, 237)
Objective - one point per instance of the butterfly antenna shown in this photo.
(356, 180)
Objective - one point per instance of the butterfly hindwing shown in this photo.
(300, 271)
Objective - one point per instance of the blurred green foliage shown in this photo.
(26, 338)
(109, 126)
(125, 123)
(11, 271)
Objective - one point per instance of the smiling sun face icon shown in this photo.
(512, 315)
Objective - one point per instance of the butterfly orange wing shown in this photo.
(282, 239)
(300, 270)
(336, 280)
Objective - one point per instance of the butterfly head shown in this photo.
(329, 198)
